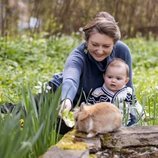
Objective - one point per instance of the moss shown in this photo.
(80, 134)
(92, 156)
(68, 142)
(106, 139)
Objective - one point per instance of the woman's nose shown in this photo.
(100, 50)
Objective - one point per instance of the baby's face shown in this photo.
(115, 78)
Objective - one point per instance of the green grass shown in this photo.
(146, 88)
(145, 74)
(39, 130)
(26, 60)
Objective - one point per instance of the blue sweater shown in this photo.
(82, 73)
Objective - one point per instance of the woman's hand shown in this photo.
(66, 104)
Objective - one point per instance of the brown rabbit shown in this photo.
(98, 118)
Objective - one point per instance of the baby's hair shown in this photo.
(115, 62)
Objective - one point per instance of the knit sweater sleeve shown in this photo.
(72, 73)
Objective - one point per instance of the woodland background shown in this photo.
(135, 17)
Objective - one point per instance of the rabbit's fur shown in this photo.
(98, 118)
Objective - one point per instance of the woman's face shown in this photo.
(100, 46)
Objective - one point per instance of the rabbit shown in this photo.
(101, 118)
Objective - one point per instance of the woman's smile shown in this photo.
(100, 46)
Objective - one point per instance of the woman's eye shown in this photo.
(95, 45)
(105, 46)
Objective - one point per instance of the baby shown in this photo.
(114, 90)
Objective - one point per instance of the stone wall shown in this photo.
(129, 142)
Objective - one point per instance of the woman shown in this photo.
(86, 64)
